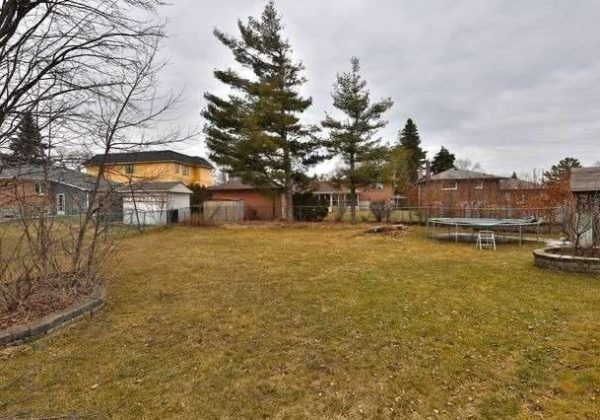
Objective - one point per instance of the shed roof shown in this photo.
(149, 156)
(585, 179)
(235, 184)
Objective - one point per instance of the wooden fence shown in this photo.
(223, 211)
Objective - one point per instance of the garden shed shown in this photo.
(585, 185)
(156, 203)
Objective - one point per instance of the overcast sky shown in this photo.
(514, 85)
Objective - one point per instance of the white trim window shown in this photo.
(479, 184)
(177, 166)
(40, 188)
(449, 185)
(186, 170)
(129, 169)
(61, 204)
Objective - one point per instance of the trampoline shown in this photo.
(454, 224)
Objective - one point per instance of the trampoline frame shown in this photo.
(483, 223)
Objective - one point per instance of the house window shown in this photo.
(40, 188)
(186, 170)
(177, 168)
(129, 169)
(449, 185)
(479, 184)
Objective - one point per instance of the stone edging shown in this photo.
(545, 258)
(20, 334)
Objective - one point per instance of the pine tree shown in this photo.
(410, 140)
(351, 138)
(255, 132)
(27, 146)
(562, 170)
(442, 161)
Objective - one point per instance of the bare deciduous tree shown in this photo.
(55, 53)
(581, 223)
(88, 72)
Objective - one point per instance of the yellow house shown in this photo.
(153, 166)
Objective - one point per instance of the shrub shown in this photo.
(307, 208)
(199, 195)
(382, 210)
(339, 212)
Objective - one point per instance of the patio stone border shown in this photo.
(546, 258)
(20, 334)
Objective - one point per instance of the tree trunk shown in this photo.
(352, 192)
(287, 165)
(352, 203)
(289, 205)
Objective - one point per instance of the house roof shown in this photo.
(149, 156)
(326, 187)
(516, 184)
(64, 176)
(174, 187)
(454, 174)
(235, 184)
(585, 179)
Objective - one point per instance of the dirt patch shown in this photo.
(46, 298)
(389, 230)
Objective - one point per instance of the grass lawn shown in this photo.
(319, 322)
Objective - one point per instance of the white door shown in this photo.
(60, 204)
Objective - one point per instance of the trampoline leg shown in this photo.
(520, 235)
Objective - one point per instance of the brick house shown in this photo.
(53, 191)
(459, 188)
(333, 195)
(259, 204)
(516, 193)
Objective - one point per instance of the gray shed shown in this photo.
(585, 185)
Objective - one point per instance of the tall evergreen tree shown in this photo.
(351, 137)
(442, 161)
(562, 170)
(410, 140)
(27, 145)
(255, 132)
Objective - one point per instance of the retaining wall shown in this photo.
(547, 258)
(20, 334)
